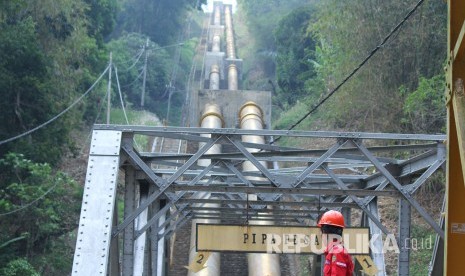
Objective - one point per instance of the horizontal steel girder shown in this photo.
(159, 131)
(287, 191)
(272, 203)
(277, 153)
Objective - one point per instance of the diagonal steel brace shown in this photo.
(399, 187)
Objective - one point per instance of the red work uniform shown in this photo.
(337, 261)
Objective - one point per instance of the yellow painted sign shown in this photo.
(276, 239)
(367, 264)
(199, 261)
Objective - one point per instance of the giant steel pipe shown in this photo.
(232, 77)
(214, 77)
(230, 50)
(216, 44)
(227, 17)
(251, 117)
(211, 118)
(217, 16)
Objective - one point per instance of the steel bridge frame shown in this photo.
(454, 222)
(344, 174)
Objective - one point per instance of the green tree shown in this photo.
(263, 18)
(165, 75)
(295, 52)
(102, 18)
(260, 47)
(129, 55)
(19, 267)
(346, 33)
(162, 21)
(39, 209)
(424, 110)
(47, 60)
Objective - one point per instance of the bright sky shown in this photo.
(209, 7)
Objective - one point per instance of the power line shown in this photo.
(137, 57)
(136, 60)
(122, 102)
(121, 95)
(58, 115)
(134, 81)
(99, 110)
(370, 55)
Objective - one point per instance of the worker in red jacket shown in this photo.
(338, 262)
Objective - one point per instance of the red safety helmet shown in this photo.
(333, 218)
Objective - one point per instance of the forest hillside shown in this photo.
(54, 79)
(304, 51)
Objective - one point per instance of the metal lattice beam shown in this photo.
(345, 174)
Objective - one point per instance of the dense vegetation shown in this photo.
(51, 52)
(312, 49)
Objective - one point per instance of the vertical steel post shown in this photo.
(378, 257)
(455, 188)
(91, 256)
(140, 258)
(404, 237)
(109, 89)
(153, 237)
(114, 267)
(346, 212)
(161, 247)
(436, 267)
(129, 207)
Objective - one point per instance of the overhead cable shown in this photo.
(30, 203)
(121, 95)
(122, 102)
(59, 114)
(99, 111)
(370, 55)
(136, 61)
(134, 81)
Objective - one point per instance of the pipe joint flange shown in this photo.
(250, 109)
(212, 110)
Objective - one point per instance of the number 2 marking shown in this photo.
(199, 261)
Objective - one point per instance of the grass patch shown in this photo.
(421, 245)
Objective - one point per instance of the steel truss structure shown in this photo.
(346, 171)
(454, 223)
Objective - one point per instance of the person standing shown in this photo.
(338, 261)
